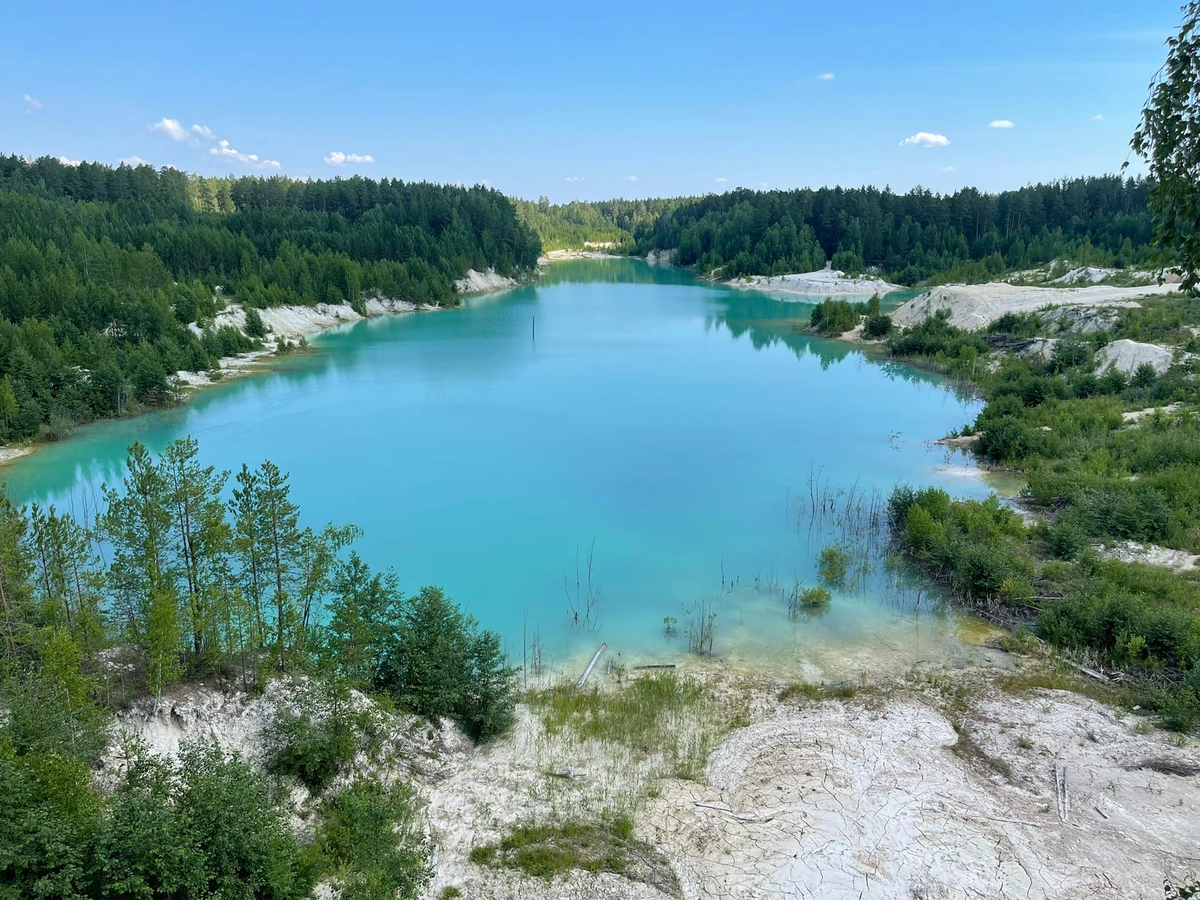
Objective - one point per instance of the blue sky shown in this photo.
(616, 99)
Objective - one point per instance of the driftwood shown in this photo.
(591, 665)
(730, 812)
(1166, 766)
(654, 666)
(1060, 790)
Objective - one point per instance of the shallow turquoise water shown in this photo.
(671, 422)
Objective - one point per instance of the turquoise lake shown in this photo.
(667, 425)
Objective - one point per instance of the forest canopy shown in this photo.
(110, 277)
(911, 238)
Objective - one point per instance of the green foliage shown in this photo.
(806, 690)
(48, 816)
(439, 664)
(371, 843)
(317, 733)
(255, 327)
(548, 851)
(833, 564)
(878, 327)
(814, 597)
(1168, 139)
(208, 826)
(912, 237)
(833, 317)
(102, 269)
(660, 713)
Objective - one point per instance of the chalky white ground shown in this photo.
(820, 800)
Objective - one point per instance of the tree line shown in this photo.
(110, 277)
(911, 238)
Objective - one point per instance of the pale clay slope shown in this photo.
(975, 306)
(832, 801)
(825, 283)
(295, 322)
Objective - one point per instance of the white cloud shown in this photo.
(169, 128)
(203, 131)
(763, 183)
(224, 151)
(1002, 123)
(825, 76)
(134, 161)
(1097, 118)
(33, 102)
(337, 158)
(631, 178)
(946, 169)
(69, 162)
(574, 178)
(925, 139)
(722, 180)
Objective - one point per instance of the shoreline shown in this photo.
(286, 323)
(552, 256)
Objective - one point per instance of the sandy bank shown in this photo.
(290, 323)
(559, 255)
(8, 454)
(975, 306)
(825, 283)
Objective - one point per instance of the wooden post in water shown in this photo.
(534, 328)
(590, 666)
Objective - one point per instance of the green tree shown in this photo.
(201, 543)
(363, 610)
(1168, 139)
(438, 663)
(66, 577)
(137, 523)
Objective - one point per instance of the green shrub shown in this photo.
(813, 597)
(439, 664)
(316, 734)
(833, 317)
(877, 327)
(548, 851)
(207, 826)
(371, 842)
(833, 564)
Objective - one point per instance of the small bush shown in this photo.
(833, 565)
(878, 327)
(817, 596)
(317, 737)
(370, 841)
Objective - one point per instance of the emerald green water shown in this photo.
(671, 422)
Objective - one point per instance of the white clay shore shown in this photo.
(976, 306)
(291, 323)
(825, 283)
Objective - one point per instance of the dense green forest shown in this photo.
(103, 269)
(571, 225)
(911, 238)
(231, 588)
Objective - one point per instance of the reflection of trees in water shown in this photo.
(611, 271)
